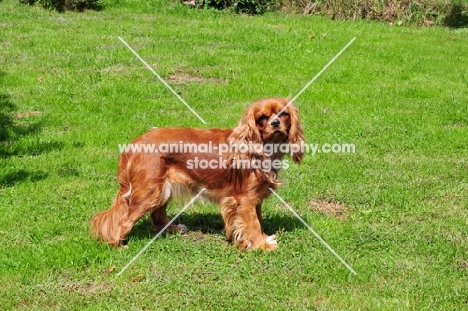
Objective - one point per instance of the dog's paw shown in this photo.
(271, 243)
(172, 228)
(181, 228)
(266, 243)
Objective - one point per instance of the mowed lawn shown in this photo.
(395, 210)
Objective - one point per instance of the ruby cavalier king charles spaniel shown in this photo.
(236, 168)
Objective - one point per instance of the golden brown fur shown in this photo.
(148, 180)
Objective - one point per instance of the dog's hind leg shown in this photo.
(143, 200)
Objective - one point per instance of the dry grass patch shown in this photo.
(180, 77)
(194, 236)
(27, 114)
(329, 208)
(464, 265)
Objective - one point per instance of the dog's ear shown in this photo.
(296, 134)
(246, 131)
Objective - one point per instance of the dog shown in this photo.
(236, 167)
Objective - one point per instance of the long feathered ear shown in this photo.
(296, 135)
(246, 131)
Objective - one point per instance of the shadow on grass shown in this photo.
(212, 223)
(8, 179)
(15, 128)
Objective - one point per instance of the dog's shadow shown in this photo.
(212, 223)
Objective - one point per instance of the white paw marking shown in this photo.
(271, 240)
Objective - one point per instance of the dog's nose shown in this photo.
(275, 123)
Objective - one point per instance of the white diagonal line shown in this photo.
(160, 232)
(162, 80)
(316, 77)
(313, 231)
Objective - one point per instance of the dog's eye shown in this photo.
(284, 114)
(262, 120)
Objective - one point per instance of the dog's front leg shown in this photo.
(248, 230)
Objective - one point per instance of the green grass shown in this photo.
(70, 92)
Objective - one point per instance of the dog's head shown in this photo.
(271, 121)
